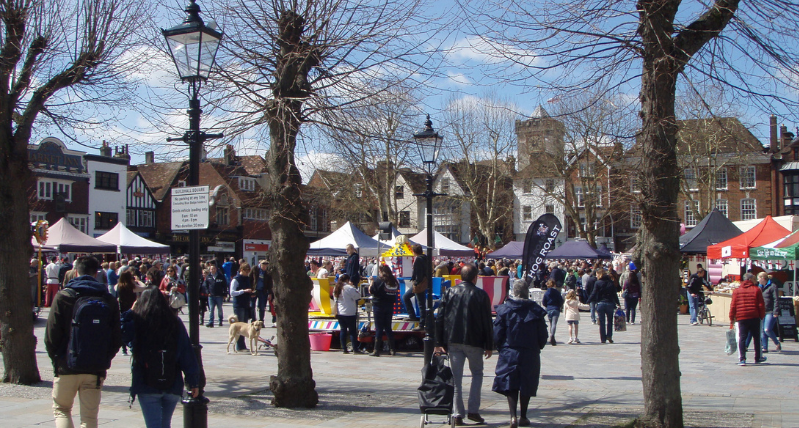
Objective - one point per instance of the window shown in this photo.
(586, 170)
(578, 196)
(721, 179)
(723, 207)
(399, 192)
(130, 217)
(358, 191)
(549, 185)
(106, 180)
(550, 209)
(405, 219)
(527, 186)
(445, 185)
(255, 214)
(599, 196)
(48, 189)
(691, 211)
(791, 193)
(146, 218)
(36, 216)
(222, 216)
(635, 217)
(181, 183)
(104, 220)
(247, 184)
(748, 209)
(527, 213)
(312, 214)
(80, 222)
(635, 185)
(747, 178)
(689, 174)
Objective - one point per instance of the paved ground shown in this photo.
(582, 385)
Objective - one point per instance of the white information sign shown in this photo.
(190, 207)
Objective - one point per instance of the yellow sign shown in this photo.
(399, 250)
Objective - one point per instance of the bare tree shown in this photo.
(57, 58)
(481, 144)
(647, 46)
(285, 62)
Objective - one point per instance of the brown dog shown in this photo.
(250, 330)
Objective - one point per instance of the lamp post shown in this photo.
(429, 144)
(193, 45)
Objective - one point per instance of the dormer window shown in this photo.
(247, 184)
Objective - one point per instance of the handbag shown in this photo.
(176, 299)
(619, 321)
(420, 287)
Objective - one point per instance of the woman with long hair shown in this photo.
(346, 297)
(607, 300)
(384, 290)
(126, 290)
(162, 355)
(632, 292)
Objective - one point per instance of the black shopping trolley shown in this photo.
(437, 391)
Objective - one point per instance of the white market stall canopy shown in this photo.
(66, 239)
(335, 244)
(443, 245)
(790, 222)
(128, 242)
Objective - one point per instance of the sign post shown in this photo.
(190, 208)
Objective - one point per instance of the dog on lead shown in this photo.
(250, 330)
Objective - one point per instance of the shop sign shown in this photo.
(256, 247)
(228, 246)
(190, 207)
(52, 155)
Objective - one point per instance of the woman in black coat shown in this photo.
(384, 290)
(520, 333)
(607, 300)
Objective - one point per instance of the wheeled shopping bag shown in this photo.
(437, 391)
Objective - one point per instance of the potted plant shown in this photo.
(683, 304)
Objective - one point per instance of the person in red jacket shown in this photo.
(747, 309)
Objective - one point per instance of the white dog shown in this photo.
(250, 330)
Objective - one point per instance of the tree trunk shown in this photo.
(294, 385)
(659, 247)
(16, 321)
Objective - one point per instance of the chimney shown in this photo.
(121, 152)
(149, 157)
(105, 149)
(230, 155)
(774, 145)
(785, 137)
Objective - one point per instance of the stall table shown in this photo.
(720, 308)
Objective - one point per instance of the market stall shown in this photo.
(128, 242)
(443, 245)
(511, 250)
(714, 228)
(572, 250)
(64, 238)
(336, 243)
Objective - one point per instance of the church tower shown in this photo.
(539, 135)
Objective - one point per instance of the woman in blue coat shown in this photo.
(520, 333)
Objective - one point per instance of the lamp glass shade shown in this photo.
(193, 47)
(429, 144)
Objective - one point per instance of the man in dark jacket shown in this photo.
(353, 266)
(69, 382)
(747, 308)
(695, 294)
(263, 288)
(464, 329)
(588, 287)
(216, 285)
(418, 276)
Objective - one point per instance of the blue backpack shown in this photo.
(88, 349)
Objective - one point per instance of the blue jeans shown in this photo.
(215, 301)
(553, 322)
(692, 306)
(592, 305)
(604, 311)
(259, 302)
(458, 354)
(767, 327)
(157, 409)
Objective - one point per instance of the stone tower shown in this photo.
(540, 134)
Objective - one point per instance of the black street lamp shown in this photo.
(429, 144)
(193, 46)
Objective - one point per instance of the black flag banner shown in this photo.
(539, 241)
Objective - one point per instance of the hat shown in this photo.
(632, 266)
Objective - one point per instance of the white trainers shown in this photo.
(576, 340)
(571, 341)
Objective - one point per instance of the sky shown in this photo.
(470, 70)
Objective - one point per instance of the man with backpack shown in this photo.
(83, 335)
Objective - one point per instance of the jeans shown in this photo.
(768, 325)
(157, 409)
(260, 302)
(592, 306)
(604, 311)
(693, 306)
(383, 324)
(215, 301)
(421, 300)
(631, 304)
(458, 355)
(553, 322)
(745, 328)
(65, 387)
(243, 314)
(347, 325)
